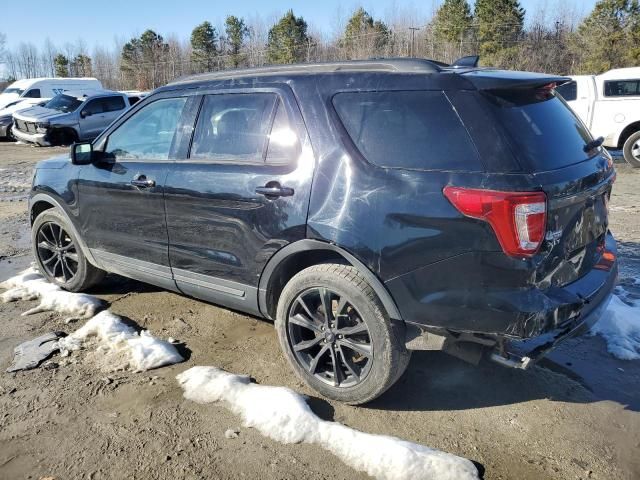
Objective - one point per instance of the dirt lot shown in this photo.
(574, 416)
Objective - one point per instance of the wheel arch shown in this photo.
(302, 254)
(627, 132)
(42, 202)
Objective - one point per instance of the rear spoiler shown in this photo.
(509, 80)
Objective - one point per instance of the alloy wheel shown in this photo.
(635, 150)
(329, 338)
(57, 252)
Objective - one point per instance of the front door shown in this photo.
(240, 194)
(98, 114)
(121, 197)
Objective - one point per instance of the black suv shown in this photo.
(369, 208)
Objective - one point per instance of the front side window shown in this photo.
(407, 129)
(13, 90)
(148, 133)
(622, 88)
(63, 103)
(233, 127)
(33, 93)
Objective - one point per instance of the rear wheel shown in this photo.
(631, 150)
(337, 336)
(58, 253)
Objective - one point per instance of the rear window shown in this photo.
(622, 88)
(543, 130)
(407, 129)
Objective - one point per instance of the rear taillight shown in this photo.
(517, 218)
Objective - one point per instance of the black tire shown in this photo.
(58, 253)
(631, 150)
(62, 137)
(353, 384)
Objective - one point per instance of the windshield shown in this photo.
(63, 103)
(17, 91)
(542, 128)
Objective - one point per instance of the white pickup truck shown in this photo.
(609, 104)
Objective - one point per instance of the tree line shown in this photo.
(557, 41)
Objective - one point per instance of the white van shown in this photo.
(45, 88)
(609, 104)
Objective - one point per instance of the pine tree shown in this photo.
(61, 64)
(452, 21)
(204, 48)
(236, 31)
(287, 40)
(364, 36)
(609, 37)
(500, 24)
(80, 66)
(141, 58)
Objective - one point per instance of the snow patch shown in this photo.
(620, 327)
(283, 415)
(121, 345)
(31, 285)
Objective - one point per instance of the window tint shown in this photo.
(113, 104)
(417, 129)
(33, 93)
(148, 133)
(543, 130)
(569, 91)
(133, 100)
(283, 141)
(104, 105)
(233, 127)
(621, 88)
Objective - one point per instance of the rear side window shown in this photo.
(407, 129)
(233, 127)
(622, 88)
(543, 131)
(113, 104)
(569, 91)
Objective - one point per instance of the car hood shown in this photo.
(38, 114)
(59, 161)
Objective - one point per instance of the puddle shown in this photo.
(11, 266)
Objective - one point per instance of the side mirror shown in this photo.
(81, 153)
(85, 113)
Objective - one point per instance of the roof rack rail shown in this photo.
(409, 65)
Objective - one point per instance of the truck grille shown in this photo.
(27, 127)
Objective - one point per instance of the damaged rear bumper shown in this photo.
(595, 290)
(555, 315)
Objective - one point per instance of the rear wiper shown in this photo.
(593, 144)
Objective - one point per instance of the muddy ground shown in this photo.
(573, 416)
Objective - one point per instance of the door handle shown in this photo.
(274, 190)
(141, 181)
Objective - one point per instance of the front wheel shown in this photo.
(58, 253)
(337, 336)
(631, 150)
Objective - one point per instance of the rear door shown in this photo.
(240, 193)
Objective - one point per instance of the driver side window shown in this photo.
(148, 133)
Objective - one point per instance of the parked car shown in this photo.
(370, 208)
(45, 88)
(609, 104)
(134, 95)
(69, 117)
(6, 114)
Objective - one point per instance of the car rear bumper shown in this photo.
(525, 352)
(37, 138)
(519, 322)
